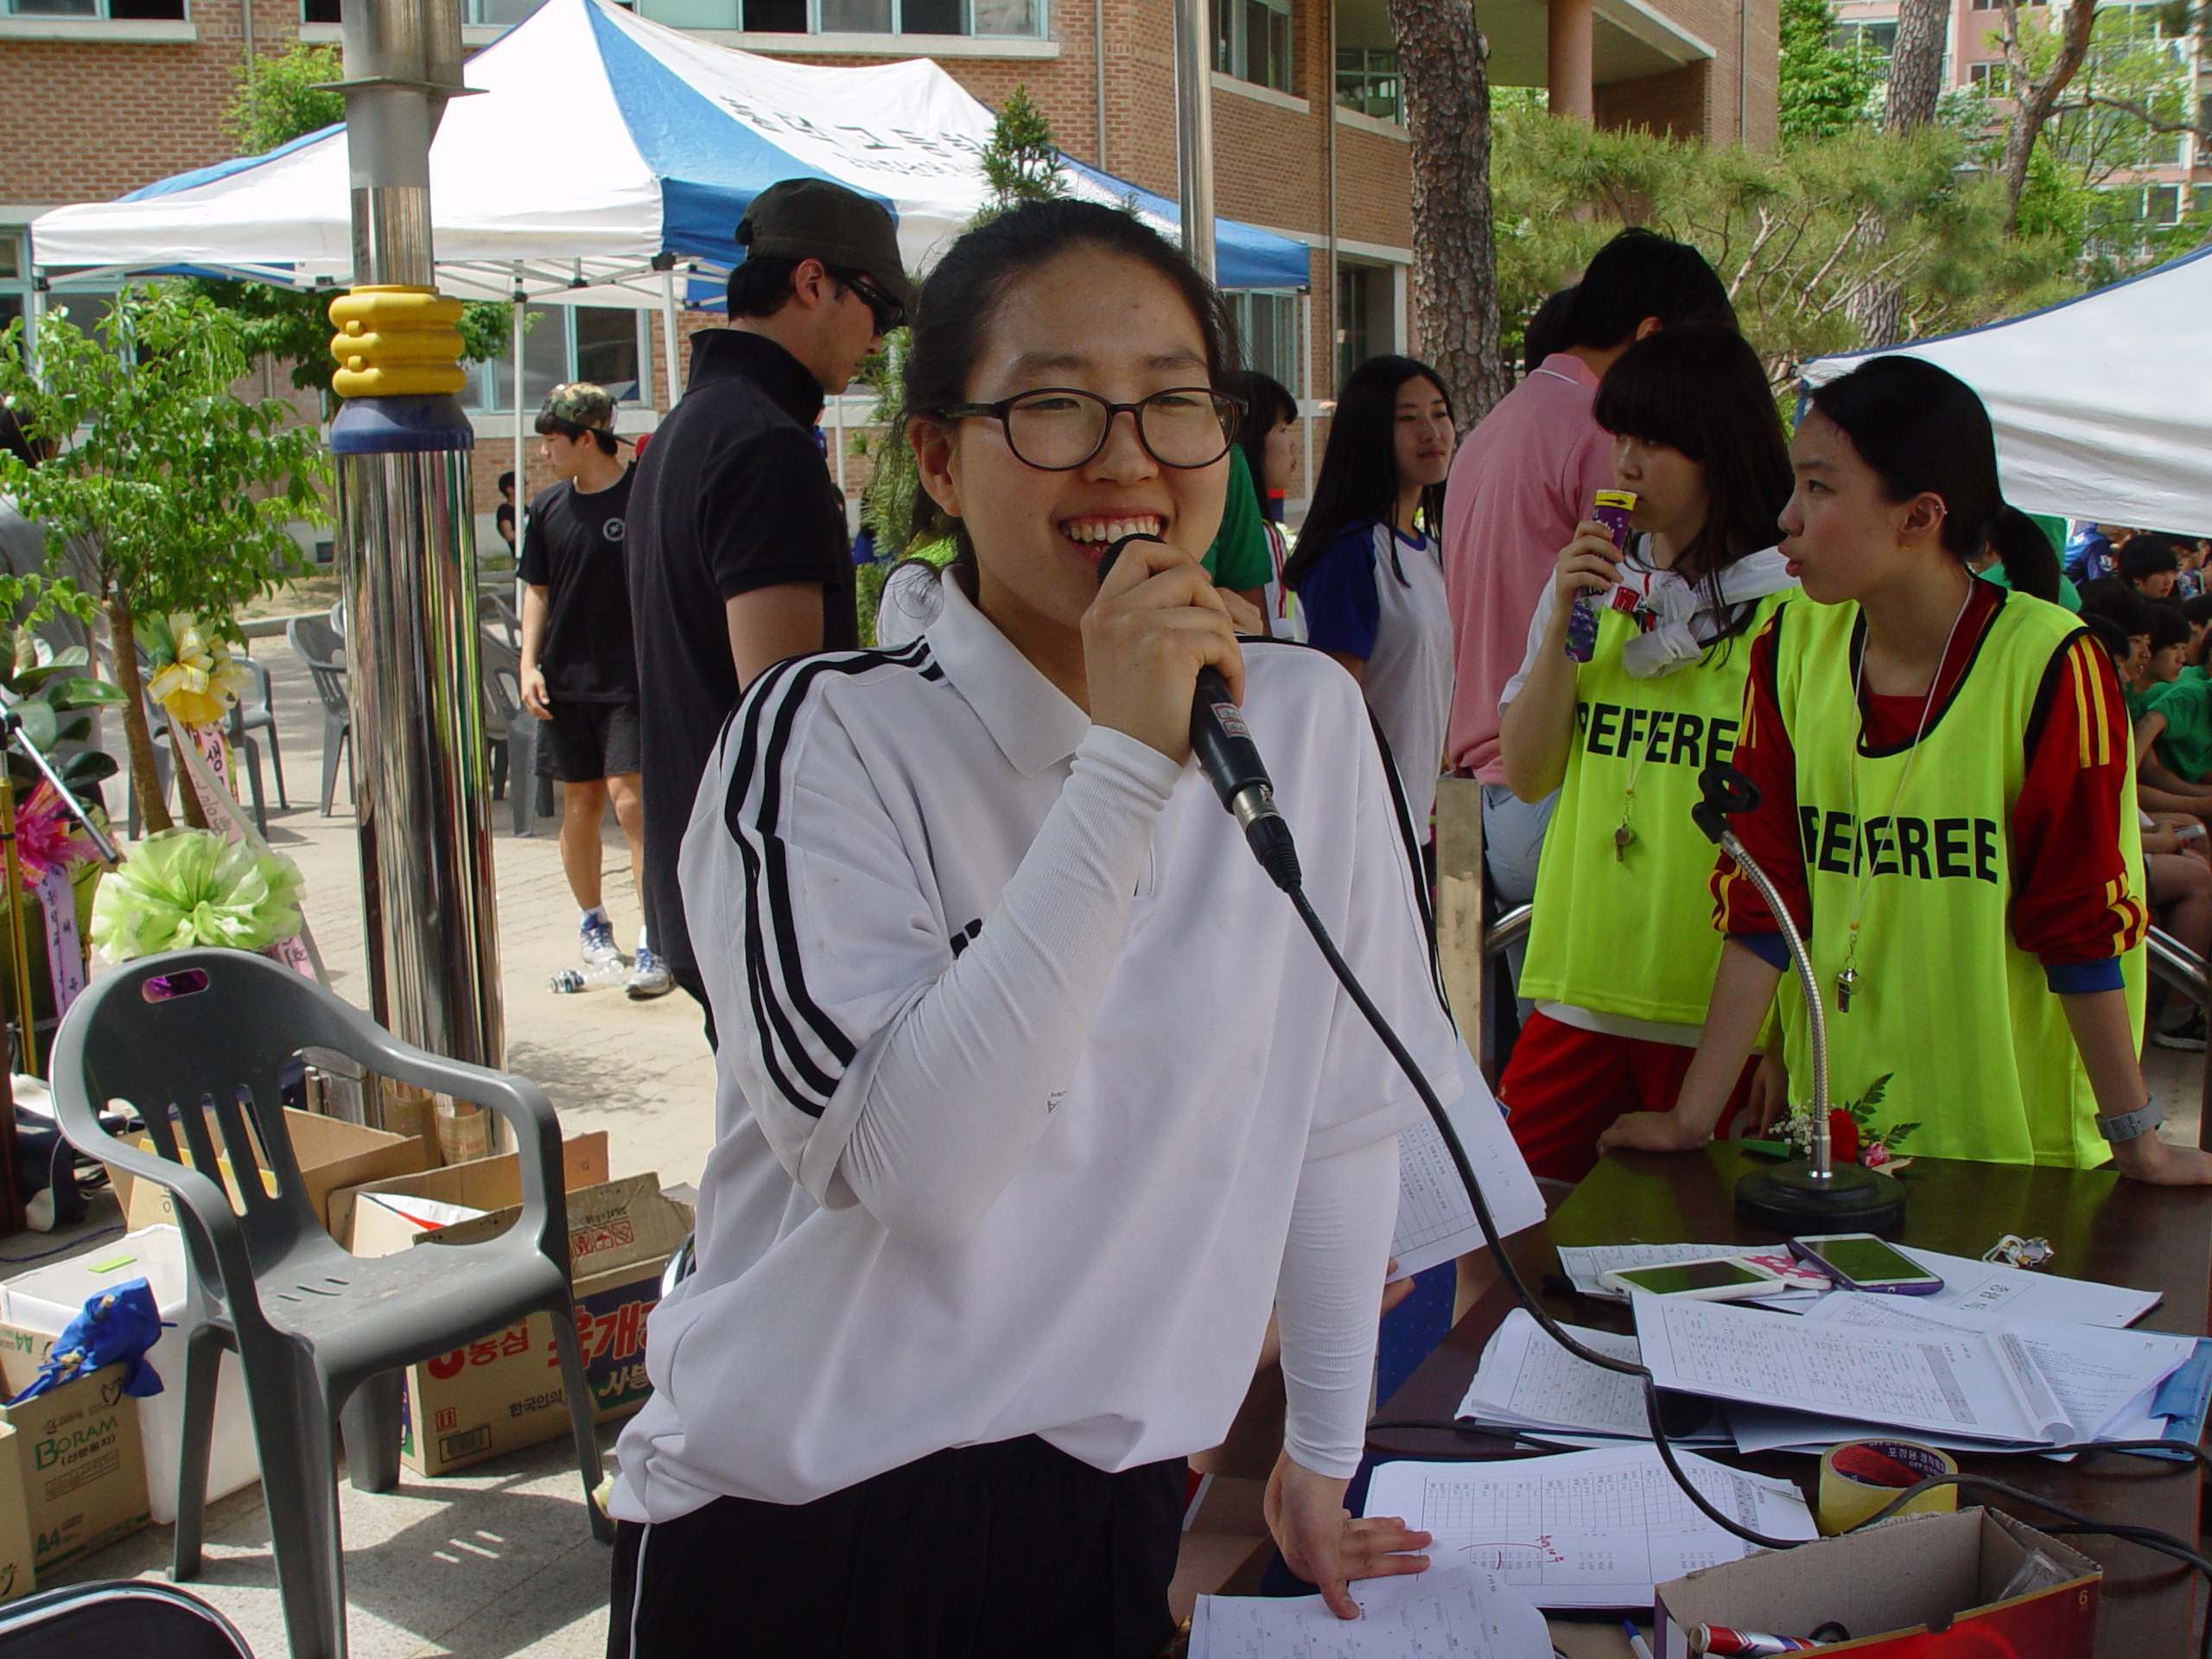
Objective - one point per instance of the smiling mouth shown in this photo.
(1092, 534)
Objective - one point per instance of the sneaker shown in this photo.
(596, 939)
(2190, 1034)
(649, 976)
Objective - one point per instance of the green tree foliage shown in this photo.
(1021, 163)
(279, 99)
(169, 493)
(1823, 88)
(1799, 237)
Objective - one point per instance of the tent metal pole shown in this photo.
(670, 346)
(408, 540)
(1194, 133)
(515, 322)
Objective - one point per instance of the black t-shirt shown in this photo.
(573, 548)
(731, 495)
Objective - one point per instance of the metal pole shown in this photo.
(670, 345)
(409, 541)
(1194, 133)
(1098, 68)
(522, 494)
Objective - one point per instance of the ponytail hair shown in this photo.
(1925, 432)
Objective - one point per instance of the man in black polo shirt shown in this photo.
(738, 556)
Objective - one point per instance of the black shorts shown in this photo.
(586, 741)
(1009, 1551)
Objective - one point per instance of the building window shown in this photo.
(15, 287)
(1251, 41)
(2164, 204)
(1267, 322)
(1874, 43)
(968, 17)
(1364, 325)
(170, 11)
(1367, 80)
(319, 11)
(609, 346)
(1990, 77)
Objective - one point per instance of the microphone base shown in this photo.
(1788, 1201)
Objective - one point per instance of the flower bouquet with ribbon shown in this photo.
(1852, 1138)
(186, 888)
(194, 681)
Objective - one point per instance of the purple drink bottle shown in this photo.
(1611, 508)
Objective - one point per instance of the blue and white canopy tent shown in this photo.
(2099, 402)
(608, 159)
(606, 148)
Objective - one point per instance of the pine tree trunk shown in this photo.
(2033, 106)
(1446, 89)
(138, 738)
(1917, 64)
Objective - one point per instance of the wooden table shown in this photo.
(2103, 1228)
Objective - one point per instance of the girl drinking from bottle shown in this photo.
(1616, 963)
(1365, 570)
(1945, 805)
(1043, 1095)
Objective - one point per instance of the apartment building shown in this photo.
(106, 96)
(2158, 176)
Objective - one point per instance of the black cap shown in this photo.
(815, 218)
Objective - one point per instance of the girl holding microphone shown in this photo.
(1617, 965)
(1045, 1097)
(1945, 805)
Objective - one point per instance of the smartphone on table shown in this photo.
(1724, 1280)
(1862, 1262)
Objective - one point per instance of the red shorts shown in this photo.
(1564, 1087)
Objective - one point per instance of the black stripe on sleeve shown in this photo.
(783, 1009)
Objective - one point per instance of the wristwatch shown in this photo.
(2144, 1119)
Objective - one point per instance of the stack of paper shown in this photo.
(1447, 1610)
(1585, 1529)
(1527, 1381)
(1972, 1287)
(1857, 1360)
(2078, 1382)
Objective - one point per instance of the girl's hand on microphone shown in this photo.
(1158, 620)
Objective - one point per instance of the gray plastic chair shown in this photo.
(257, 712)
(322, 648)
(196, 1040)
(511, 730)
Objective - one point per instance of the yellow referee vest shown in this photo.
(1960, 1018)
(1633, 936)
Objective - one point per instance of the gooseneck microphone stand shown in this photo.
(1811, 1195)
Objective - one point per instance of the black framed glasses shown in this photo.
(1059, 429)
(888, 312)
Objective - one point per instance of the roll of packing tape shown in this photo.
(1860, 1477)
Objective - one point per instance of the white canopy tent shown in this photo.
(2099, 402)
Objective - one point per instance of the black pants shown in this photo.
(1010, 1551)
(687, 979)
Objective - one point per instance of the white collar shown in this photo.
(1032, 720)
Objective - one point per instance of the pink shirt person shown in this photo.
(1521, 482)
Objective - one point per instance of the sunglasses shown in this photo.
(888, 312)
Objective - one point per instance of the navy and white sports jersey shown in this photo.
(1026, 1067)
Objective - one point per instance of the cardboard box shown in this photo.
(332, 1155)
(18, 1572)
(37, 1305)
(504, 1391)
(489, 1184)
(80, 1469)
(1892, 1585)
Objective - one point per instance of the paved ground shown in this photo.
(500, 1560)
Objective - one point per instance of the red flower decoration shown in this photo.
(1843, 1136)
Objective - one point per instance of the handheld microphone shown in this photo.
(1231, 760)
